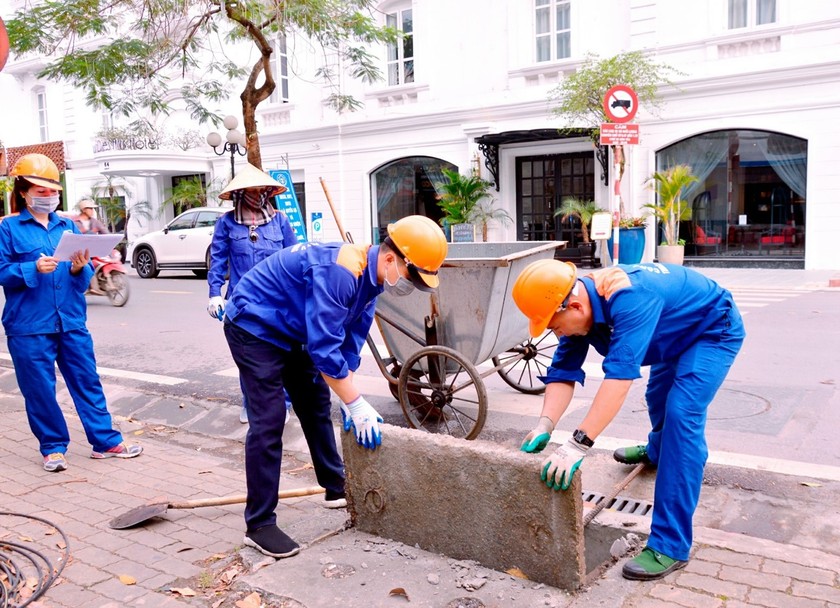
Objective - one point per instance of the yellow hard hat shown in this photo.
(38, 169)
(421, 243)
(542, 288)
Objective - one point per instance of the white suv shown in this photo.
(184, 244)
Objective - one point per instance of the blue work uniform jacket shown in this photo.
(232, 249)
(38, 303)
(321, 295)
(642, 314)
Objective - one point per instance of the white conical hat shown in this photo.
(251, 177)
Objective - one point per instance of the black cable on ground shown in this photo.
(18, 561)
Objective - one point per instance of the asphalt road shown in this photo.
(779, 402)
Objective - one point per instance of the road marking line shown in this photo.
(124, 373)
(154, 378)
(231, 372)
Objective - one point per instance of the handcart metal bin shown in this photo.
(436, 341)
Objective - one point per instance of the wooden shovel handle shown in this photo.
(241, 498)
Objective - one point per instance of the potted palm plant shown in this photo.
(461, 195)
(670, 209)
(582, 210)
(485, 212)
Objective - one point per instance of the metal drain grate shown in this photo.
(621, 504)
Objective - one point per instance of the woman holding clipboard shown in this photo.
(45, 318)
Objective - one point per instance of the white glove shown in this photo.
(216, 307)
(536, 440)
(559, 468)
(365, 422)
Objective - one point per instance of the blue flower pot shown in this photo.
(631, 245)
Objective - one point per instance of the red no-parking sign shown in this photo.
(621, 103)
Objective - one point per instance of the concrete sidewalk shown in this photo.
(200, 551)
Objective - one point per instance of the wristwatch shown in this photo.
(581, 438)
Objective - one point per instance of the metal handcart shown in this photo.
(436, 341)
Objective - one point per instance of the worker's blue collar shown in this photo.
(372, 266)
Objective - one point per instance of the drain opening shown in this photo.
(620, 504)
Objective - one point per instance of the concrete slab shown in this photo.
(468, 500)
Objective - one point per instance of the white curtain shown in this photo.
(702, 153)
(789, 158)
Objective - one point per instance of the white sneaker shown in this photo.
(243, 415)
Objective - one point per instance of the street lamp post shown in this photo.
(235, 143)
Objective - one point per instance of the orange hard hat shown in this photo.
(423, 245)
(38, 169)
(541, 289)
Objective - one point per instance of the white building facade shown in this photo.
(468, 88)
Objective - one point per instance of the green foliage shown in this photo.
(188, 193)
(579, 98)
(142, 46)
(486, 212)
(461, 194)
(582, 209)
(670, 208)
(632, 221)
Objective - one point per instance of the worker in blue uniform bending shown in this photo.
(45, 315)
(297, 321)
(245, 235)
(682, 324)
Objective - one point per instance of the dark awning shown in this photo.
(489, 145)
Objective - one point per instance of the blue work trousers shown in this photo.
(34, 358)
(678, 396)
(265, 370)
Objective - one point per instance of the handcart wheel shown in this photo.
(441, 392)
(527, 361)
(394, 388)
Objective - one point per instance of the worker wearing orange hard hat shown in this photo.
(297, 322)
(686, 328)
(45, 318)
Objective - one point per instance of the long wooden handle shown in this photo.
(344, 235)
(241, 498)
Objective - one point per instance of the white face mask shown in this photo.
(44, 204)
(402, 287)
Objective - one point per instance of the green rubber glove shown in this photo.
(536, 440)
(559, 468)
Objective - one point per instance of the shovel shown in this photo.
(141, 514)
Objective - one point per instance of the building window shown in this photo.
(750, 197)
(401, 53)
(279, 63)
(407, 186)
(553, 29)
(41, 104)
(744, 13)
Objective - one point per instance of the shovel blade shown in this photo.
(138, 515)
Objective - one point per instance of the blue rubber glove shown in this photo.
(346, 420)
(216, 307)
(559, 468)
(365, 423)
(536, 440)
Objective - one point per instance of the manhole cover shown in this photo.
(338, 571)
(730, 404)
(465, 602)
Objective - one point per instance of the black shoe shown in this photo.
(650, 566)
(636, 454)
(272, 541)
(335, 500)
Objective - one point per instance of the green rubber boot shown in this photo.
(650, 566)
(636, 454)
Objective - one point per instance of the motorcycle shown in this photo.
(109, 279)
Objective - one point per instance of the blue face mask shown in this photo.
(44, 204)
(402, 287)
